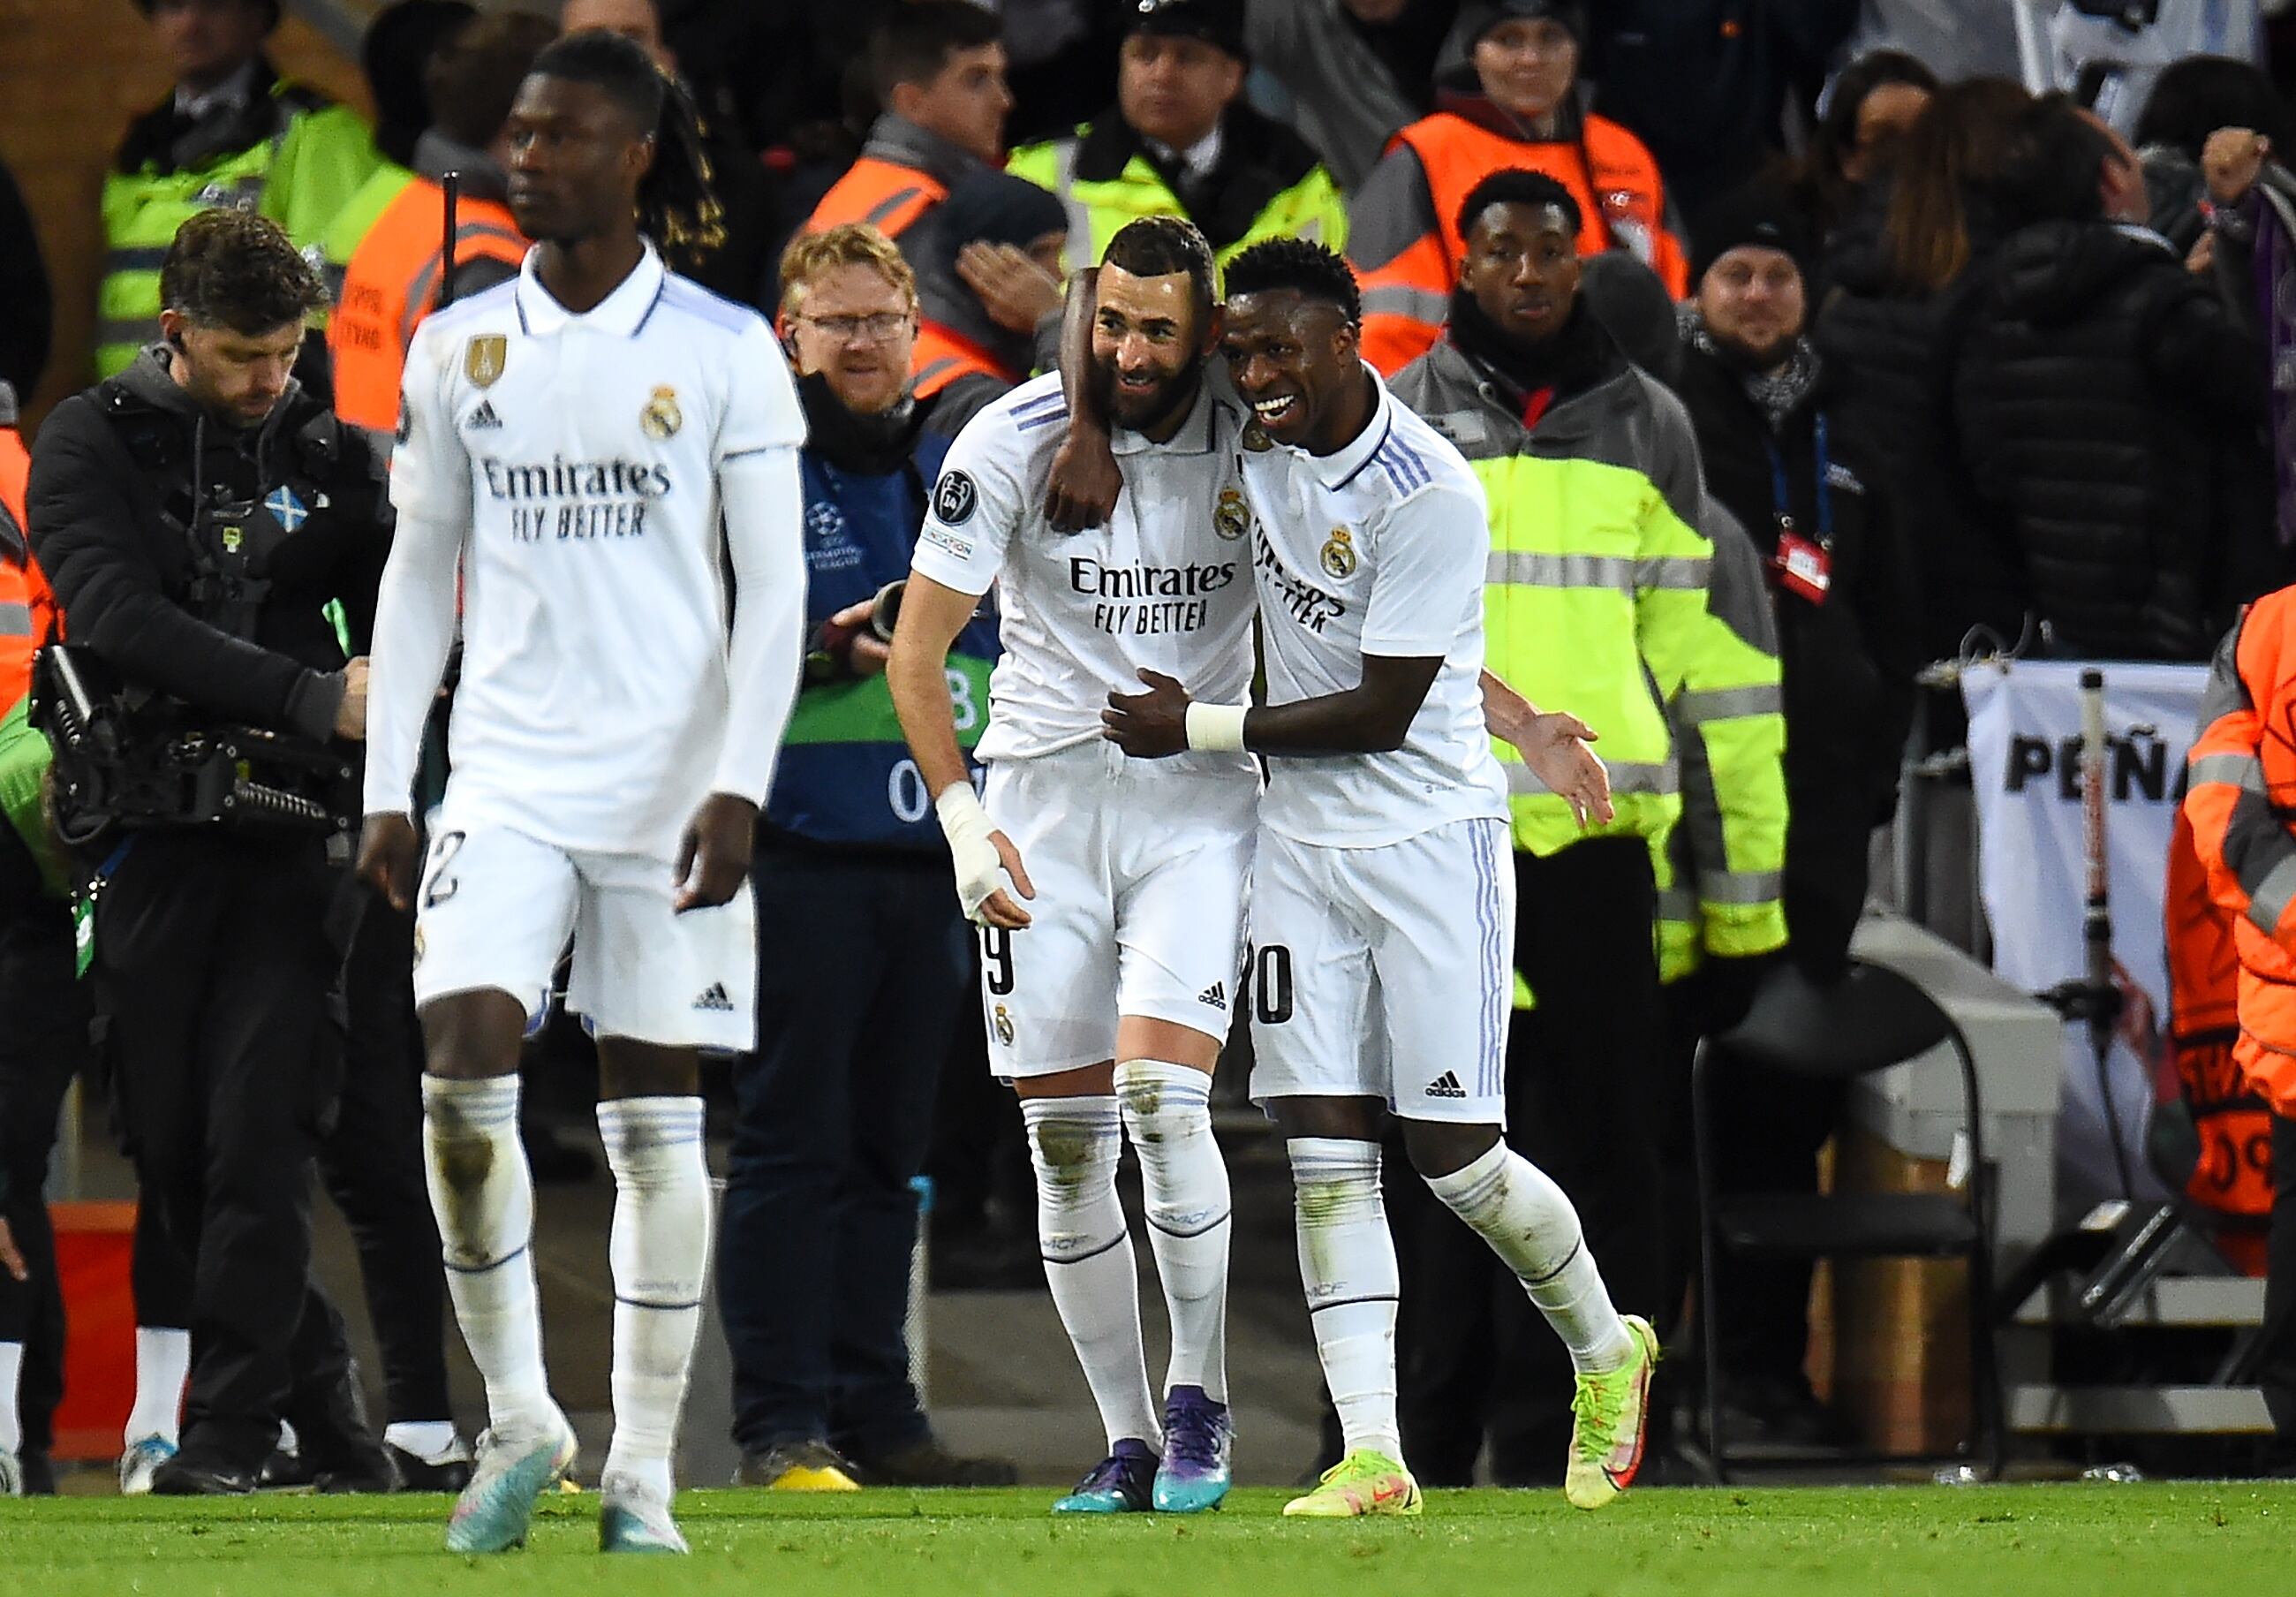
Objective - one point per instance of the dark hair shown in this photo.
(676, 208)
(913, 40)
(1836, 133)
(473, 75)
(1301, 265)
(1515, 186)
(395, 56)
(2193, 98)
(1160, 246)
(1951, 155)
(2051, 163)
(228, 267)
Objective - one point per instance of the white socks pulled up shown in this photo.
(1166, 1111)
(1529, 1221)
(1347, 1264)
(659, 1250)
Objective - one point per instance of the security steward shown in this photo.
(215, 539)
(232, 132)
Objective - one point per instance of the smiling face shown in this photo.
(1527, 65)
(1521, 268)
(1148, 346)
(1295, 361)
(1751, 301)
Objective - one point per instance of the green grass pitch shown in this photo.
(2096, 1541)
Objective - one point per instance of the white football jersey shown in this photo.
(1379, 549)
(1164, 585)
(581, 455)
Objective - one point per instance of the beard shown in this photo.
(1755, 358)
(1147, 411)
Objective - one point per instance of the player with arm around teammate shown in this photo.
(1382, 901)
(1108, 889)
(574, 442)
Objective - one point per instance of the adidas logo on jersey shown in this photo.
(715, 999)
(1216, 996)
(1445, 1085)
(484, 416)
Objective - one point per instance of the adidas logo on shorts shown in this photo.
(1445, 1085)
(1216, 996)
(484, 416)
(716, 999)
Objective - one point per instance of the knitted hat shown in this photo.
(1757, 215)
(1481, 16)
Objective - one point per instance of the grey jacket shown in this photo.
(1344, 101)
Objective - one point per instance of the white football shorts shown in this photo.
(496, 907)
(1140, 868)
(1385, 972)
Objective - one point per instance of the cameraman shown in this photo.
(214, 539)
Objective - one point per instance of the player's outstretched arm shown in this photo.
(414, 630)
(1372, 717)
(1553, 745)
(990, 874)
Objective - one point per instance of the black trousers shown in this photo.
(862, 968)
(1583, 1069)
(371, 1164)
(218, 990)
(43, 1042)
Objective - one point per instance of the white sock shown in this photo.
(433, 1441)
(1088, 1259)
(1168, 1112)
(1528, 1220)
(659, 1250)
(163, 1363)
(1347, 1264)
(483, 1195)
(12, 1373)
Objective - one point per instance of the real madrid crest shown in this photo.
(1338, 554)
(662, 418)
(1003, 1022)
(1229, 517)
(1255, 439)
(484, 358)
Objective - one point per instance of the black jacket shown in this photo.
(110, 502)
(1877, 343)
(2107, 413)
(1849, 660)
(1259, 160)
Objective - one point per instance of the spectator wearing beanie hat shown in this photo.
(1180, 141)
(1508, 96)
(1807, 487)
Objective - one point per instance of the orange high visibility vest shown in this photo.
(1621, 203)
(2242, 786)
(942, 356)
(28, 609)
(887, 195)
(392, 283)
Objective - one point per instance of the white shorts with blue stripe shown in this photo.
(1385, 972)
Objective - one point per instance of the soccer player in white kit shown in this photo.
(1108, 889)
(1382, 897)
(573, 442)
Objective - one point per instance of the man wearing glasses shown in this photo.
(862, 955)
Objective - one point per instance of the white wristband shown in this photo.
(1217, 727)
(979, 868)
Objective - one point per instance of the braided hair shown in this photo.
(676, 206)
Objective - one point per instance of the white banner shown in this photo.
(2024, 751)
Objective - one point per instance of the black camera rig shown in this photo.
(136, 760)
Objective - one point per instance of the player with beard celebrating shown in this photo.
(1108, 889)
(591, 446)
(1382, 899)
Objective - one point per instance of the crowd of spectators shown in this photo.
(1920, 366)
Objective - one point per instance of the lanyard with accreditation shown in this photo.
(1803, 567)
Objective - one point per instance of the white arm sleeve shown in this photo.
(414, 629)
(415, 612)
(764, 498)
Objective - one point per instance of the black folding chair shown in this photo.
(1871, 1019)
